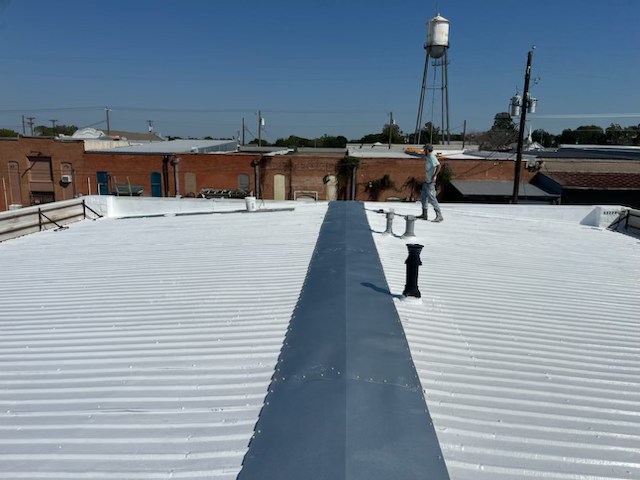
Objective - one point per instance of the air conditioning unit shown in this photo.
(65, 179)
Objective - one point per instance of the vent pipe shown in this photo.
(413, 262)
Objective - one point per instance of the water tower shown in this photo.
(436, 49)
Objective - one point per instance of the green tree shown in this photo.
(502, 134)
(293, 141)
(414, 185)
(44, 131)
(503, 122)
(430, 133)
(583, 135)
(544, 138)
(329, 141)
(373, 138)
(263, 142)
(617, 135)
(396, 134)
(6, 133)
(375, 187)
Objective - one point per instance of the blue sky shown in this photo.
(197, 67)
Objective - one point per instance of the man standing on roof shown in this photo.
(428, 196)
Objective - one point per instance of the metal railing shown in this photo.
(16, 223)
(628, 220)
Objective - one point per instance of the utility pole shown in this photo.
(106, 109)
(259, 128)
(24, 132)
(243, 128)
(464, 133)
(390, 128)
(30, 122)
(523, 120)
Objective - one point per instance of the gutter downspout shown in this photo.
(176, 177)
(256, 176)
(165, 176)
(354, 170)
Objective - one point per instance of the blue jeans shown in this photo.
(428, 195)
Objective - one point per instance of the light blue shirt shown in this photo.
(431, 162)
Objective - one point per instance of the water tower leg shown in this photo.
(416, 137)
(446, 92)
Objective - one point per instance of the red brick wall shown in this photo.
(19, 150)
(210, 170)
(303, 172)
(306, 172)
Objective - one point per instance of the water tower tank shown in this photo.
(437, 36)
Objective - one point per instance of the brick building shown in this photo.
(37, 170)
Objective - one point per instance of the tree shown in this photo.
(6, 133)
(617, 135)
(329, 141)
(263, 142)
(373, 138)
(502, 134)
(293, 141)
(396, 134)
(383, 137)
(503, 122)
(583, 135)
(414, 185)
(44, 131)
(375, 187)
(544, 138)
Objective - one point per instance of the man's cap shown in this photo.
(428, 148)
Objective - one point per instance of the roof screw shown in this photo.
(413, 262)
(410, 219)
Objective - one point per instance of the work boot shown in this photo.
(438, 216)
(425, 214)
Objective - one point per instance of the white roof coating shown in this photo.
(143, 348)
(527, 340)
(179, 146)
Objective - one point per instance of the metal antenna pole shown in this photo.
(523, 120)
(390, 127)
(416, 137)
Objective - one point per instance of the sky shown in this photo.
(312, 67)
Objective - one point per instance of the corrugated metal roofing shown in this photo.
(527, 342)
(179, 146)
(498, 188)
(143, 349)
(596, 180)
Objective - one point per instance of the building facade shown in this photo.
(35, 170)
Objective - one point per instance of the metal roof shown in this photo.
(596, 180)
(499, 188)
(145, 348)
(179, 146)
(527, 340)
